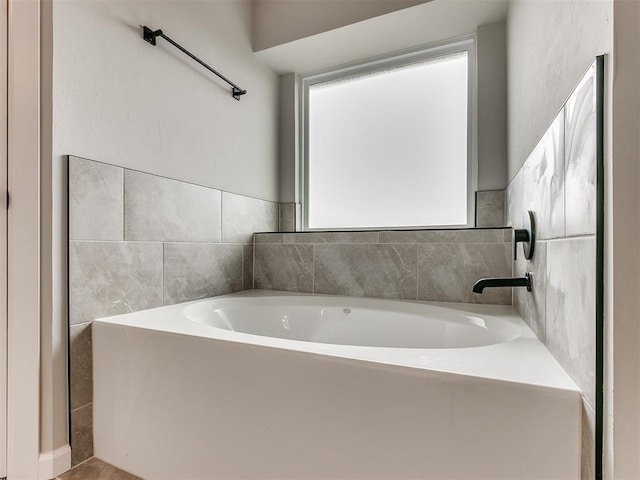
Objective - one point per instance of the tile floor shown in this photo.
(95, 469)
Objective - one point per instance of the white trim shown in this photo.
(54, 463)
(466, 43)
(472, 128)
(23, 385)
(3, 237)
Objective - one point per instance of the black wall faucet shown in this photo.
(483, 283)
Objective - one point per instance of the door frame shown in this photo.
(22, 178)
(4, 12)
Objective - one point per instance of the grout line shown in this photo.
(279, 218)
(392, 243)
(123, 209)
(242, 268)
(313, 268)
(162, 281)
(153, 242)
(253, 264)
(392, 230)
(221, 221)
(575, 237)
(417, 276)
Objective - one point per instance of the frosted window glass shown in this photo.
(389, 148)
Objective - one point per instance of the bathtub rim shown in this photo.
(513, 361)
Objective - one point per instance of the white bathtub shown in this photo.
(262, 385)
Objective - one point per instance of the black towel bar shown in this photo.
(150, 36)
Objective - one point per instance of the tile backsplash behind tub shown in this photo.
(558, 182)
(435, 265)
(140, 241)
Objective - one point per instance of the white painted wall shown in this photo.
(491, 52)
(120, 100)
(550, 45)
(281, 21)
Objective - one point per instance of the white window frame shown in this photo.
(397, 59)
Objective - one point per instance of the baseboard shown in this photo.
(54, 463)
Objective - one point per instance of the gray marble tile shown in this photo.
(110, 278)
(287, 221)
(165, 210)
(386, 271)
(81, 365)
(247, 267)
(95, 200)
(490, 208)
(81, 434)
(331, 237)
(580, 157)
(588, 457)
(447, 272)
(531, 305)
(443, 236)
(198, 270)
(283, 267)
(243, 216)
(543, 182)
(570, 309)
(95, 469)
(268, 238)
(513, 201)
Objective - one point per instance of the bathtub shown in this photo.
(261, 385)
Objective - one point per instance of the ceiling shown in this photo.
(418, 25)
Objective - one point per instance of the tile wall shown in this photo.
(139, 241)
(558, 182)
(288, 217)
(490, 208)
(436, 265)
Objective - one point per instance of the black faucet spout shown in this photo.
(483, 283)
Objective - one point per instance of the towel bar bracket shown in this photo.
(150, 35)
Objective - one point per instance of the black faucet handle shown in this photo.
(519, 235)
(526, 236)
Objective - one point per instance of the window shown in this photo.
(388, 143)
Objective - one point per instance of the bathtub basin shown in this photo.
(265, 385)
(353, 321)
